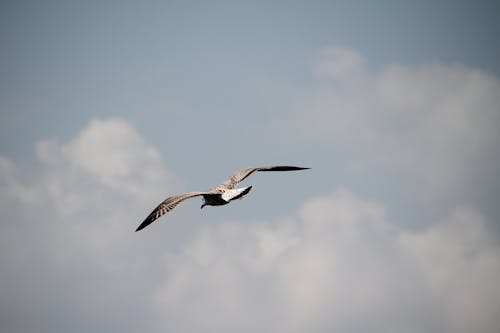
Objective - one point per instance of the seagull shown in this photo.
(219, 195)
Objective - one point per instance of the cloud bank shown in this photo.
(434, 123)
(69, 260)
(336, 265)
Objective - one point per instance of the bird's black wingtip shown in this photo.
(286, 168)
(298, 168)
(143, 225)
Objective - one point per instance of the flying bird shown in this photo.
(219, 195)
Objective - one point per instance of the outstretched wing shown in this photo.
(232, 181)
(166, 206)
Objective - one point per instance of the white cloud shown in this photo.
(112, 153)
(70, 258)
(463, 264)
(436, 124)
(337, 266)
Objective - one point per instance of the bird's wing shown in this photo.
(166, 206)
(232, 181)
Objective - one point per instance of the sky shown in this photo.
(109, 107)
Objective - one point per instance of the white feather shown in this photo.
(229, 195)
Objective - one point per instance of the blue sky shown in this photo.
(126, 58)
(108, 107)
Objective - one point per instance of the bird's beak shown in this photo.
(203, 206)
